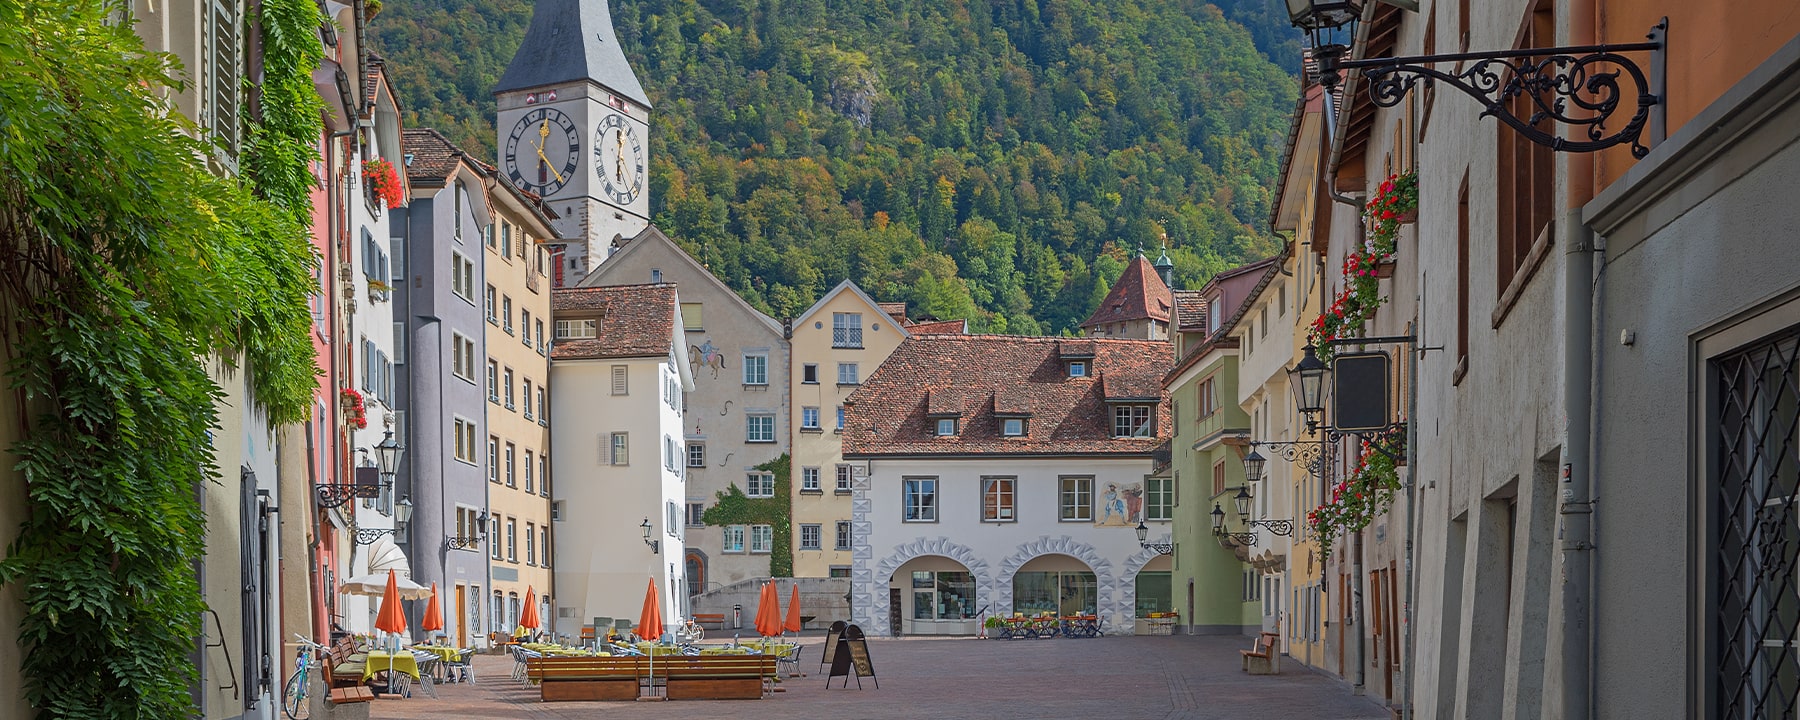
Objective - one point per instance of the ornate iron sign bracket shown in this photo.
(1160, 548)
(369, 536)
(1283, 528)
(333, 495)
(1578, 86)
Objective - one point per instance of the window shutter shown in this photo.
(619, 380)
(223, 53)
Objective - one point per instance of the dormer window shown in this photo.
(576, 329)
(946, 427)
(1078, 368)
(1012, 427)
(1131, 421)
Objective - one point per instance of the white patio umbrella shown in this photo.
(375, 584)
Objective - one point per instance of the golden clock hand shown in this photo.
(547, 164)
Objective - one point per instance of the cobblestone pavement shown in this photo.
(949, 679)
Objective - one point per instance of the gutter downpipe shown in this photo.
(1356, 551)
(1576, 508)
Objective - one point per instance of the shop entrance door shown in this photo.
(462, 612)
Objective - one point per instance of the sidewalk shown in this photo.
(950, 679)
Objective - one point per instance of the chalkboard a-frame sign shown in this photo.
(852, 655)
(831, 639)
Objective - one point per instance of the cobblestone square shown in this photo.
(948, 679)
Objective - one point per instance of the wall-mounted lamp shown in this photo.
(655, 545)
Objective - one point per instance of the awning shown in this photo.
(384, 555)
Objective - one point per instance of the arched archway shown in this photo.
(937, 596)
(874, 618)
(1105, 592)
(1135, 566)
(695, 560)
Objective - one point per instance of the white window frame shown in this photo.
(809, 479)
(919, 499)
(732, 540)
(848, 374)
(755, 421)
(945, 427)
(992, 488)
(809, 418)
(762, 539)
(759, 484)
(844, 476)
(619, 448)
(696, 454)
(812, 536)
(756, 369)
(1078, 368)
(1133, 420)
(1012, 427)
(1075, 498)
(846, 330)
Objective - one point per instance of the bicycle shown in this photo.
(688, 632)
(293, 697)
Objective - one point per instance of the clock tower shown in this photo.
(573, 127)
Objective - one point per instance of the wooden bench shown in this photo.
(347, 687)
(1262, 658)
(714, 677)
(585, 678)
(710, 621)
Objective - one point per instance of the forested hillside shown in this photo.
(996, 160)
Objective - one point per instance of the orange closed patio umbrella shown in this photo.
(392, 618)
(650, 622)
(529, 619)
(793, 614)
(768, 612)
(434, 615)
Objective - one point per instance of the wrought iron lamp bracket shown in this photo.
(368, 536)
(457, 542)
(1575, 86)
(336, 494)
(1160, 548)
(1283, 528)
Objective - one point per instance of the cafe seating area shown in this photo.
(1046, 625)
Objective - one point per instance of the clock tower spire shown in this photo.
(573, 126)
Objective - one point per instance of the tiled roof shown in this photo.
(953, 327)
(1075, 348)
(1190, 309)
(434, 157)
(895, 310)
(1129, 386)
(1139, 294)
(889, 415)
(635, 320)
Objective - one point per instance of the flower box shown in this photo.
(1384, 269)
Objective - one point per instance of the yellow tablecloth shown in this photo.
(548, 649)
(446, 654)
(404, 662)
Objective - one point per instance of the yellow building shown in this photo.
(518, 414)
(834, 345)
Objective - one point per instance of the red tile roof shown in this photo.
(953, 327)
(1190, 310)
(433, 155)
(1138, 294)
(635, 320)
(895, 310)
(889, 415)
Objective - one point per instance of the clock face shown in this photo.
(542, 151)
(619, 159)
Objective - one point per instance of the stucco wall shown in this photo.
(1682, 260)
(993, 552)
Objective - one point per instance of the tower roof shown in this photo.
(1139, 294)
(572, 40)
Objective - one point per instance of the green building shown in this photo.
(1212, 588)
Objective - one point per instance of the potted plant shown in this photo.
(355, 410)
(384, 182)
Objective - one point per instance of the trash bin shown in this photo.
(737, 616)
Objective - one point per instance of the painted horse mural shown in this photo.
(707, 355)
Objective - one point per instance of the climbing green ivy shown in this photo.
(127, 267)
(736, 508)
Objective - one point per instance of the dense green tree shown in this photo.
(996, 161)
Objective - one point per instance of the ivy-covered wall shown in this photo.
(736, 508)
(125, 263)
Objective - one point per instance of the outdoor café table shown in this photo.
(1045, 626)
(1081, 626)
(1017, 626)
(402, 663)
(445, 655)
(725, 651)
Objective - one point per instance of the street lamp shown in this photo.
(387, 456)
(1218, 519)
(655, 545)
(1253, 466)
(1307, 378)
(1143, 533)
(403, 511)
(1243, 501)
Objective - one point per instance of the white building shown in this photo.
(617, 377)
(998, 474)
(365, 278)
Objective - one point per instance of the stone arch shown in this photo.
(875, 617)
(1128, 583)
(1106, 602)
